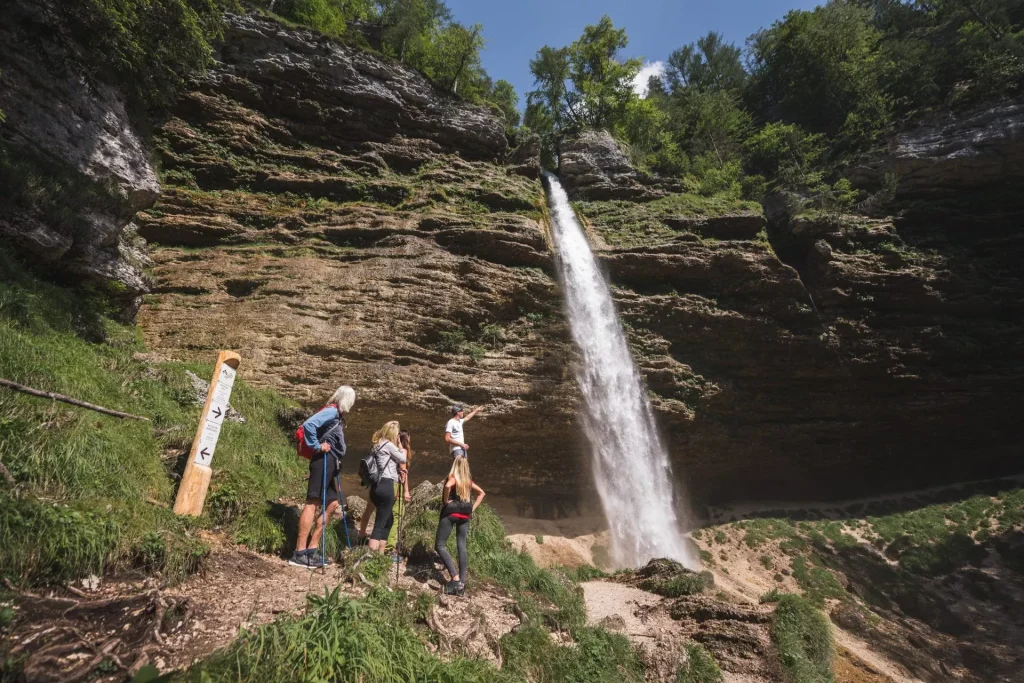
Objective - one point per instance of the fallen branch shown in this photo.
(67, 399)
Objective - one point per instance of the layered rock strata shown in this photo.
(820, 357)
(976, 149)
(335, 219)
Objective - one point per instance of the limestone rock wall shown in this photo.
(79, 128)
(976, 149)
(822, 357)
(335, 219)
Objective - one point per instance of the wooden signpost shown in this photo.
(196, 479)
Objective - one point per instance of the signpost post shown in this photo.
(196, 479)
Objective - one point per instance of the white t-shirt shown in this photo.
(454, 427)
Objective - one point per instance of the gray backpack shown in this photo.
(370, 468)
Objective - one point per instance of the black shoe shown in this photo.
(454, 588)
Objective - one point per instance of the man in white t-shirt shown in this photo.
(454, 435)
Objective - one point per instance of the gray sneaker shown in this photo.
(300, 558)
(316, 560)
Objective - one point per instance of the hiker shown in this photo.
(453, 433)
(456, 511)
(382, 494)
(405, 445)
(324, 434)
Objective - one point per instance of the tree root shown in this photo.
(73, 653)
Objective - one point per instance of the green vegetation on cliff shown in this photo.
(92, 492)
(149, 48)
(811, 92)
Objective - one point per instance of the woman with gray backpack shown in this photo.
(379, 471)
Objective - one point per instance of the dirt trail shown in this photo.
(138, 623)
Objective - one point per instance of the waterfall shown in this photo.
(631, 467)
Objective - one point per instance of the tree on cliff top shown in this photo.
(582, 85)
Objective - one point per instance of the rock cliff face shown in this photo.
(824, 356)
(592, 166)
(335, 219)
(974, 150)
(79, 130)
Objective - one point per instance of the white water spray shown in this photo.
(631, 465)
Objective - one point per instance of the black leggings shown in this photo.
(444, 530)
(383, 497)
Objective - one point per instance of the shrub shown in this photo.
(784, 153)
(700, 666)
(150, 48)
(803, 637)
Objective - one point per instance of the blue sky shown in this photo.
(516, 29)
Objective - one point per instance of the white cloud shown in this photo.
(646, 71)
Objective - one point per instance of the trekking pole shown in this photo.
(323, 512)
(398, 537)
(341, 503)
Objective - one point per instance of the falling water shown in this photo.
(630, 463)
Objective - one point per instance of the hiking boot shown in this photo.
(454, 588)
(300, 558)
(316, 561)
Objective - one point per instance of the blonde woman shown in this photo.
(457, 508)
(405, 445)
(382, 494)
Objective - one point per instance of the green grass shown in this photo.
(597, 657)
(819, 584)
(700, 666)
(760, 531)
(803, 636)
(684, 583)
(340, 639)
(94, 492)
(377, 638)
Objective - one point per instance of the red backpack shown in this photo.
(302, 449)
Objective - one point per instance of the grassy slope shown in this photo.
(382, 636)
(94, 491)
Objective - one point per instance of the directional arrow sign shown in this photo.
(195, 481)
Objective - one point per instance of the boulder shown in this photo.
(525, 159)
(592, 165)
